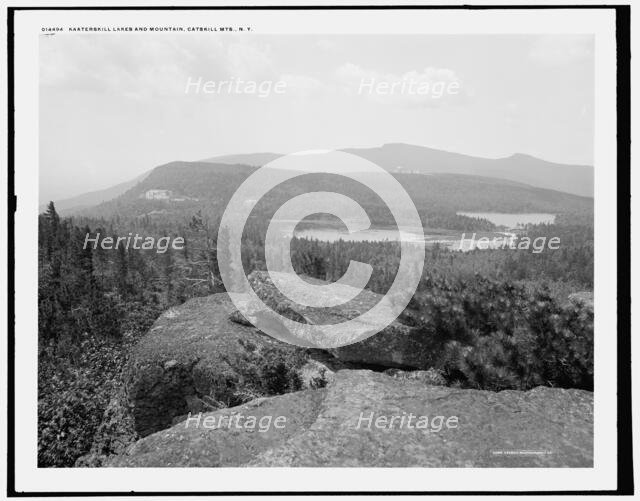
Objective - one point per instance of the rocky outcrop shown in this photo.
(364, 418)
(195, 359)
(204, 356)
(398, 345)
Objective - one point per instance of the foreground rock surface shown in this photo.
(398, 345)
(195, 359)
(543, 427)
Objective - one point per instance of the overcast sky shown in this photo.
(113, 106)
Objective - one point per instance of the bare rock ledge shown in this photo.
(193, 358)
(543, 427)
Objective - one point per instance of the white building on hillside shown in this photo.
(158, 194)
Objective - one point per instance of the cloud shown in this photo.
(305, 86)
(430, 87)
(326, 45)
(143, 66)
(558, 50)
(149, 66)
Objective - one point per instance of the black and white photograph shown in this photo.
(319, 250)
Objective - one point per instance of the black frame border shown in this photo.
(625, 480)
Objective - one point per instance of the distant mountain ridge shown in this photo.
(574, 179)
(208, 187)
(398, 158)
(401, 157)
(252, 159)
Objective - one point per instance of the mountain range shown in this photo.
(400, 159)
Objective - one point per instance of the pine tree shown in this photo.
(52, 226)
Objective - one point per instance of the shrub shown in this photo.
(496, 335)
(74, 388)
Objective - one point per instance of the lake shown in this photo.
(327, 232)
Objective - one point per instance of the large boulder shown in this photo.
(195, 358)
(363, 418)
(398, 345)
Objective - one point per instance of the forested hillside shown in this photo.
(208, 187)
(403, 158)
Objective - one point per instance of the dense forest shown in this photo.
(499, 318)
